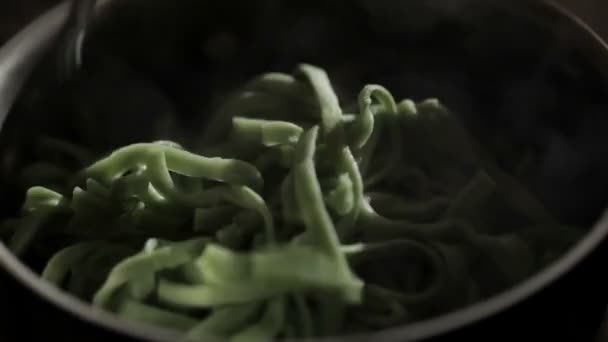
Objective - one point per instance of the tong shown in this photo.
(72, 38)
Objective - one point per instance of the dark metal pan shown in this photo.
(474, 54)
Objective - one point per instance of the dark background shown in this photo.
(14, 14)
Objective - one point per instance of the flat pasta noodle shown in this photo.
(290, 218)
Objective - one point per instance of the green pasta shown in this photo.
(288, 219)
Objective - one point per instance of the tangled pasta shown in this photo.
(295, 220)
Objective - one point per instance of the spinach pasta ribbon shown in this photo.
(290, 218)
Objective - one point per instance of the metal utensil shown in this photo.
(71, 41)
